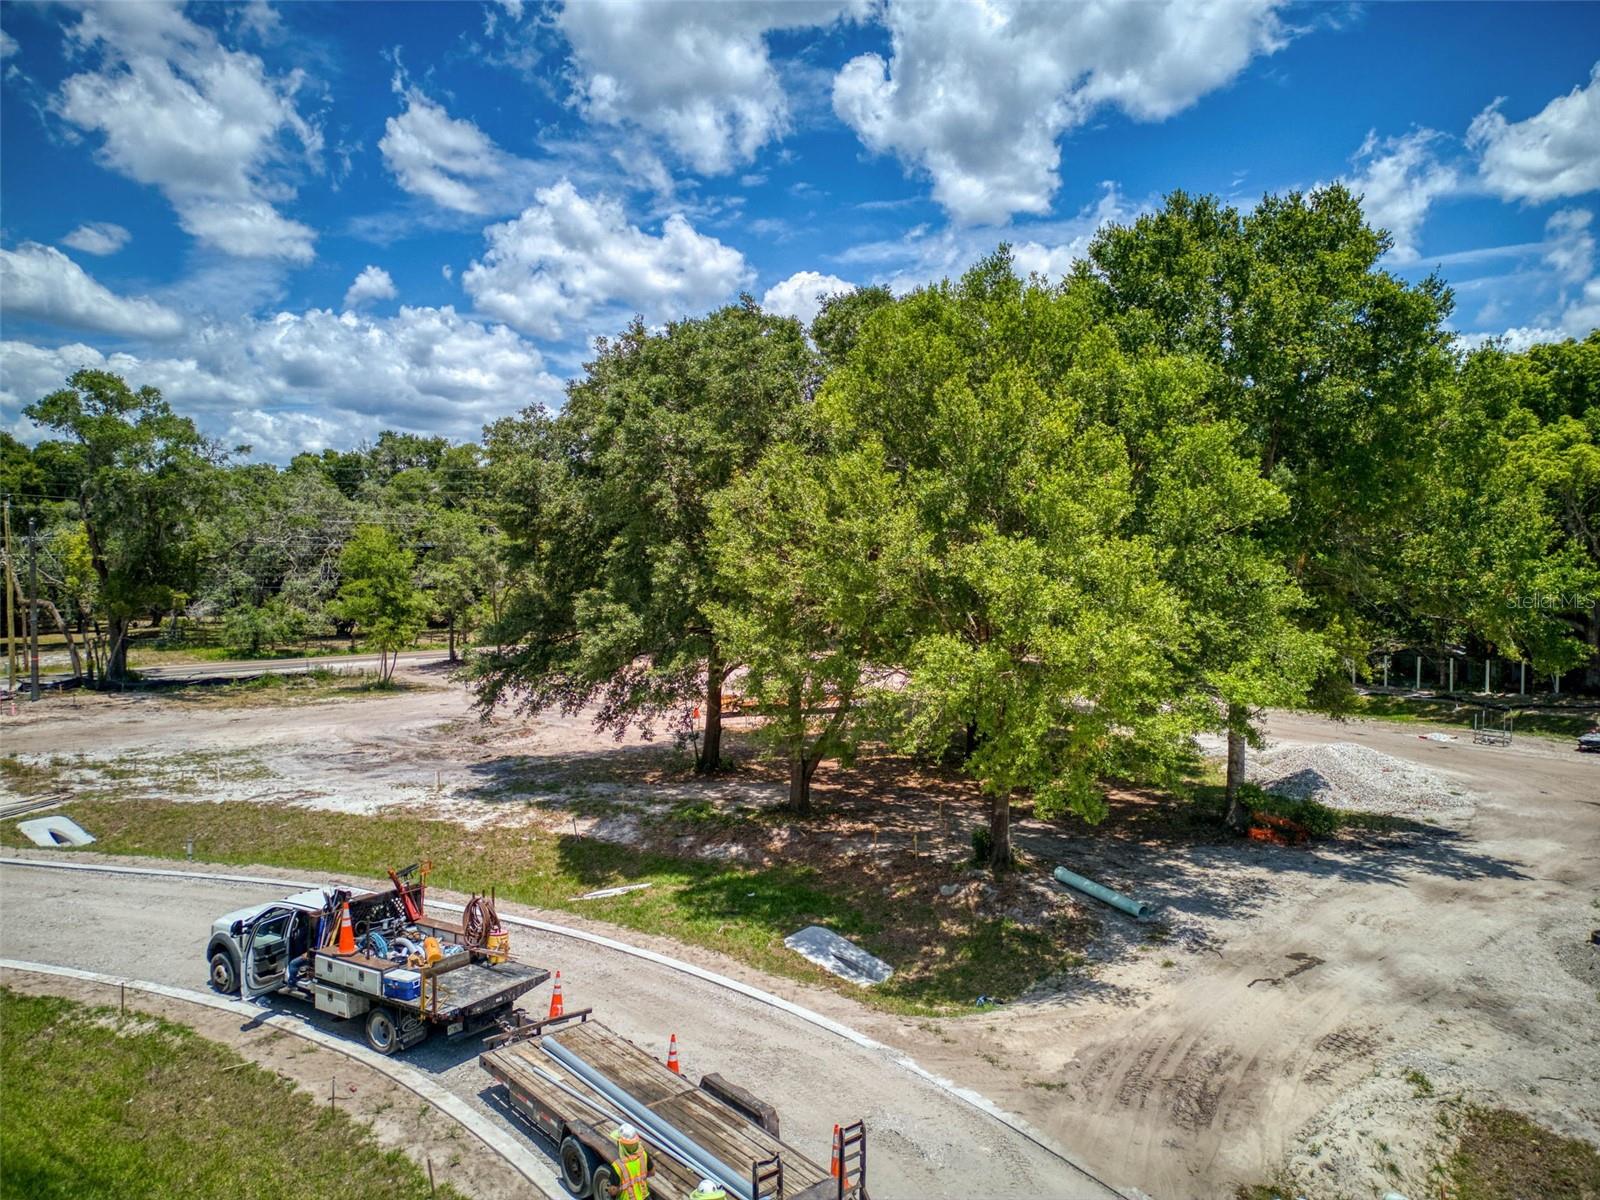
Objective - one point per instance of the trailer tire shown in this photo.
(383, 1035)
(577, 1166)
(224, 973)
(604, 1182)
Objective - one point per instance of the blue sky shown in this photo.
(310, 222)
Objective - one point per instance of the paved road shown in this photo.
(924, 1142)
(200, 672)
(183, 672)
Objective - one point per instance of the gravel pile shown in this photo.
(1355, 778)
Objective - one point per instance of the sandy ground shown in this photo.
(1285, 1014)
(424, 750)
(397, 1117)
(1282, 1027)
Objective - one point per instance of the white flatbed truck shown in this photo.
(251, 950)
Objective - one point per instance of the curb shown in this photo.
(904, 1061)
(530, 1166)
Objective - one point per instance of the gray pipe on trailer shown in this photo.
(691, 1152)
(1139, 909)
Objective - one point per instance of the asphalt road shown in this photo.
(923, 1142)
(183, 672)
(201, 672)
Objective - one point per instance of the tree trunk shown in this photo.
(117, 656)
(88, 649)
(452, 637)
(1000, 858)
(801, 768)
(711, 745)
(1238, 818)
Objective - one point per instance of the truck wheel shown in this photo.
(604, 1182)
(224, 972)
(576, 1166)
(382, 1035)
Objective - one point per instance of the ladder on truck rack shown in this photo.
(849, 1172)
(853, 1161)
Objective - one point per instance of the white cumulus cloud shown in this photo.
(206, 125)
(977, 95)
(567, 257)
(801, 295)
(97, 237)
(298, 381)
(41, 283)
(440, 157)
(373, 283)
(1569, 244)
(1398, 179)
(695, 72)
(1554, 153)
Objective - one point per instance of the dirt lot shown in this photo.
(1310, 1014)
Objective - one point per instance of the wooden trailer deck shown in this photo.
(558, 1097)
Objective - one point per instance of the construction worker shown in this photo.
(632, 1166)
(708, 1190)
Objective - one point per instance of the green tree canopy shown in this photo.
(607, 510)
(379, 595)
(141, 476)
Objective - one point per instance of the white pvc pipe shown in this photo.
(685, 1148)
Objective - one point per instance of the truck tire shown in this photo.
(577, 1166)
(224, 972)
(383, 1035)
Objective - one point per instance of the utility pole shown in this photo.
(11, 614)
(33, 605)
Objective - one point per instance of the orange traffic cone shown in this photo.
(672, 1055)
(833, 1167)
(347, 933)
(556, 1010)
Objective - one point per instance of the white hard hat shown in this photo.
(707, 1187)
(627, 1132)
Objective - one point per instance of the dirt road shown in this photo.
(925, 1143)
(1287, 1024)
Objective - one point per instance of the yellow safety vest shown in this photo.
(630, 1170)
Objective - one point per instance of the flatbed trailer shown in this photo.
(574, 1081)
(290, 947)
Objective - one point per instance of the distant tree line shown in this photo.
(1048, 530)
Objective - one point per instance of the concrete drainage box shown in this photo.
(838, 955)
(52, 832)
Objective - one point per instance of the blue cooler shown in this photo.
(402, 985)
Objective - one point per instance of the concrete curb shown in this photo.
(904, 1061)
(532, 1167)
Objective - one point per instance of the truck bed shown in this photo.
(537, 1080)
(468, 991)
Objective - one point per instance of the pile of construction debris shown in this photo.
(1355, 778)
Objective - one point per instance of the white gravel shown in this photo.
(1355, 778)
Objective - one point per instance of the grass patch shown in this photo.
(319, 683)
(1421, 1085)
(1456, 715)
(944, 956)
(1504, 1156)
(96, 1104)
(26, 779)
